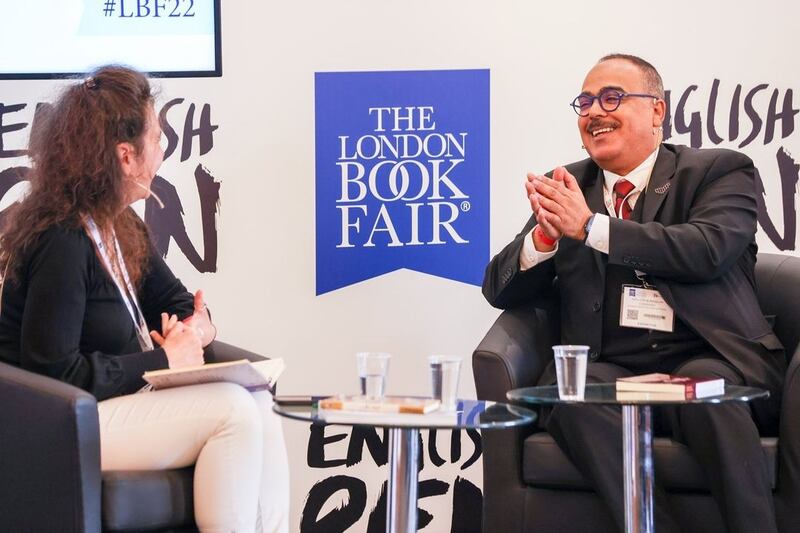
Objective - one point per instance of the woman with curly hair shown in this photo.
(88, 300)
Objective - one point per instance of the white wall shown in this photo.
(263, 295)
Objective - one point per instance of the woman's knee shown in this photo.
(238, 406)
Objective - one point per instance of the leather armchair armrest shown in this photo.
(49, 454)
(514, 351)
(218, 352)
(788, 489)
(513, 354)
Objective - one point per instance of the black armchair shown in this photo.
(530, 485)
(50, 477)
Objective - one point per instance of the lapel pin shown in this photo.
(664, 188)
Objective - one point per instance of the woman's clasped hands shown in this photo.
(181, 342)
(201, 321)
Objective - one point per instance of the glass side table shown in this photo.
(637, 437)
(401, 510)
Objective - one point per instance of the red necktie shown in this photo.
(622, 188)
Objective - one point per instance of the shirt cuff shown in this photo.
(598, 235)
(529, 256)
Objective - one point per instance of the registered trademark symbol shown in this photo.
(466, 206)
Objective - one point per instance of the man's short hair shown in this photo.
(652, 78)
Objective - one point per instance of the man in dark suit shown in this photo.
(678, 222)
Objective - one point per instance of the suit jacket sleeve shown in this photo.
(505, 285)
(720, 223)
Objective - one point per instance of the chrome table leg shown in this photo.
(401, 501)
(637, 445)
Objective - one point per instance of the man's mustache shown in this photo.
(597, 123)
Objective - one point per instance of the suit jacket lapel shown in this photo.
(593, 191)
(659, 185)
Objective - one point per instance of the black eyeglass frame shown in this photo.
(605, 92)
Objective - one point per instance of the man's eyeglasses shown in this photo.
(609, 99)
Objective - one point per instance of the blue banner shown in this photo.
(402, 175)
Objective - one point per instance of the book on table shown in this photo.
(388, 411)
(668, 387)
(252, 375)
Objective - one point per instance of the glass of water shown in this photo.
(372, 370)
(444, 370)
(571, 370)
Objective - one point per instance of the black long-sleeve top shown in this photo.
(65, 317)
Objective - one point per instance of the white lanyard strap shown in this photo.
(608, 200)
(127, 292)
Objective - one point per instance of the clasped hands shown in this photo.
(183, 341)
(558, 204)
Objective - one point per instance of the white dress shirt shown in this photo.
(598, 235)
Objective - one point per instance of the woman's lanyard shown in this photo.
(127, 292)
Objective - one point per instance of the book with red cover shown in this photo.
(666, 386)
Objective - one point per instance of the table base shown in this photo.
(401, 488)
(637, 453)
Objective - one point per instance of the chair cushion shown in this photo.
(545, 465)
(147, 499)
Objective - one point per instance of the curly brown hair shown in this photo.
(76, 170)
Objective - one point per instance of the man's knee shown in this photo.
(710, 368)
(605, 372)
(569, 418)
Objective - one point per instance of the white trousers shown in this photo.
(233, 438)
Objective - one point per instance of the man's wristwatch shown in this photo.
(588, 227)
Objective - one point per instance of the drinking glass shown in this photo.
(571, 370)
(444, 371)
(372, 370)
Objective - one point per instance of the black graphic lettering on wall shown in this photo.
(788, 172)
(165, 224)
(204, 132)
(465, 496)
(755, 113)
(8, 178)
(168, 223)
(338, 519)
(6, 128)
(426, 489)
